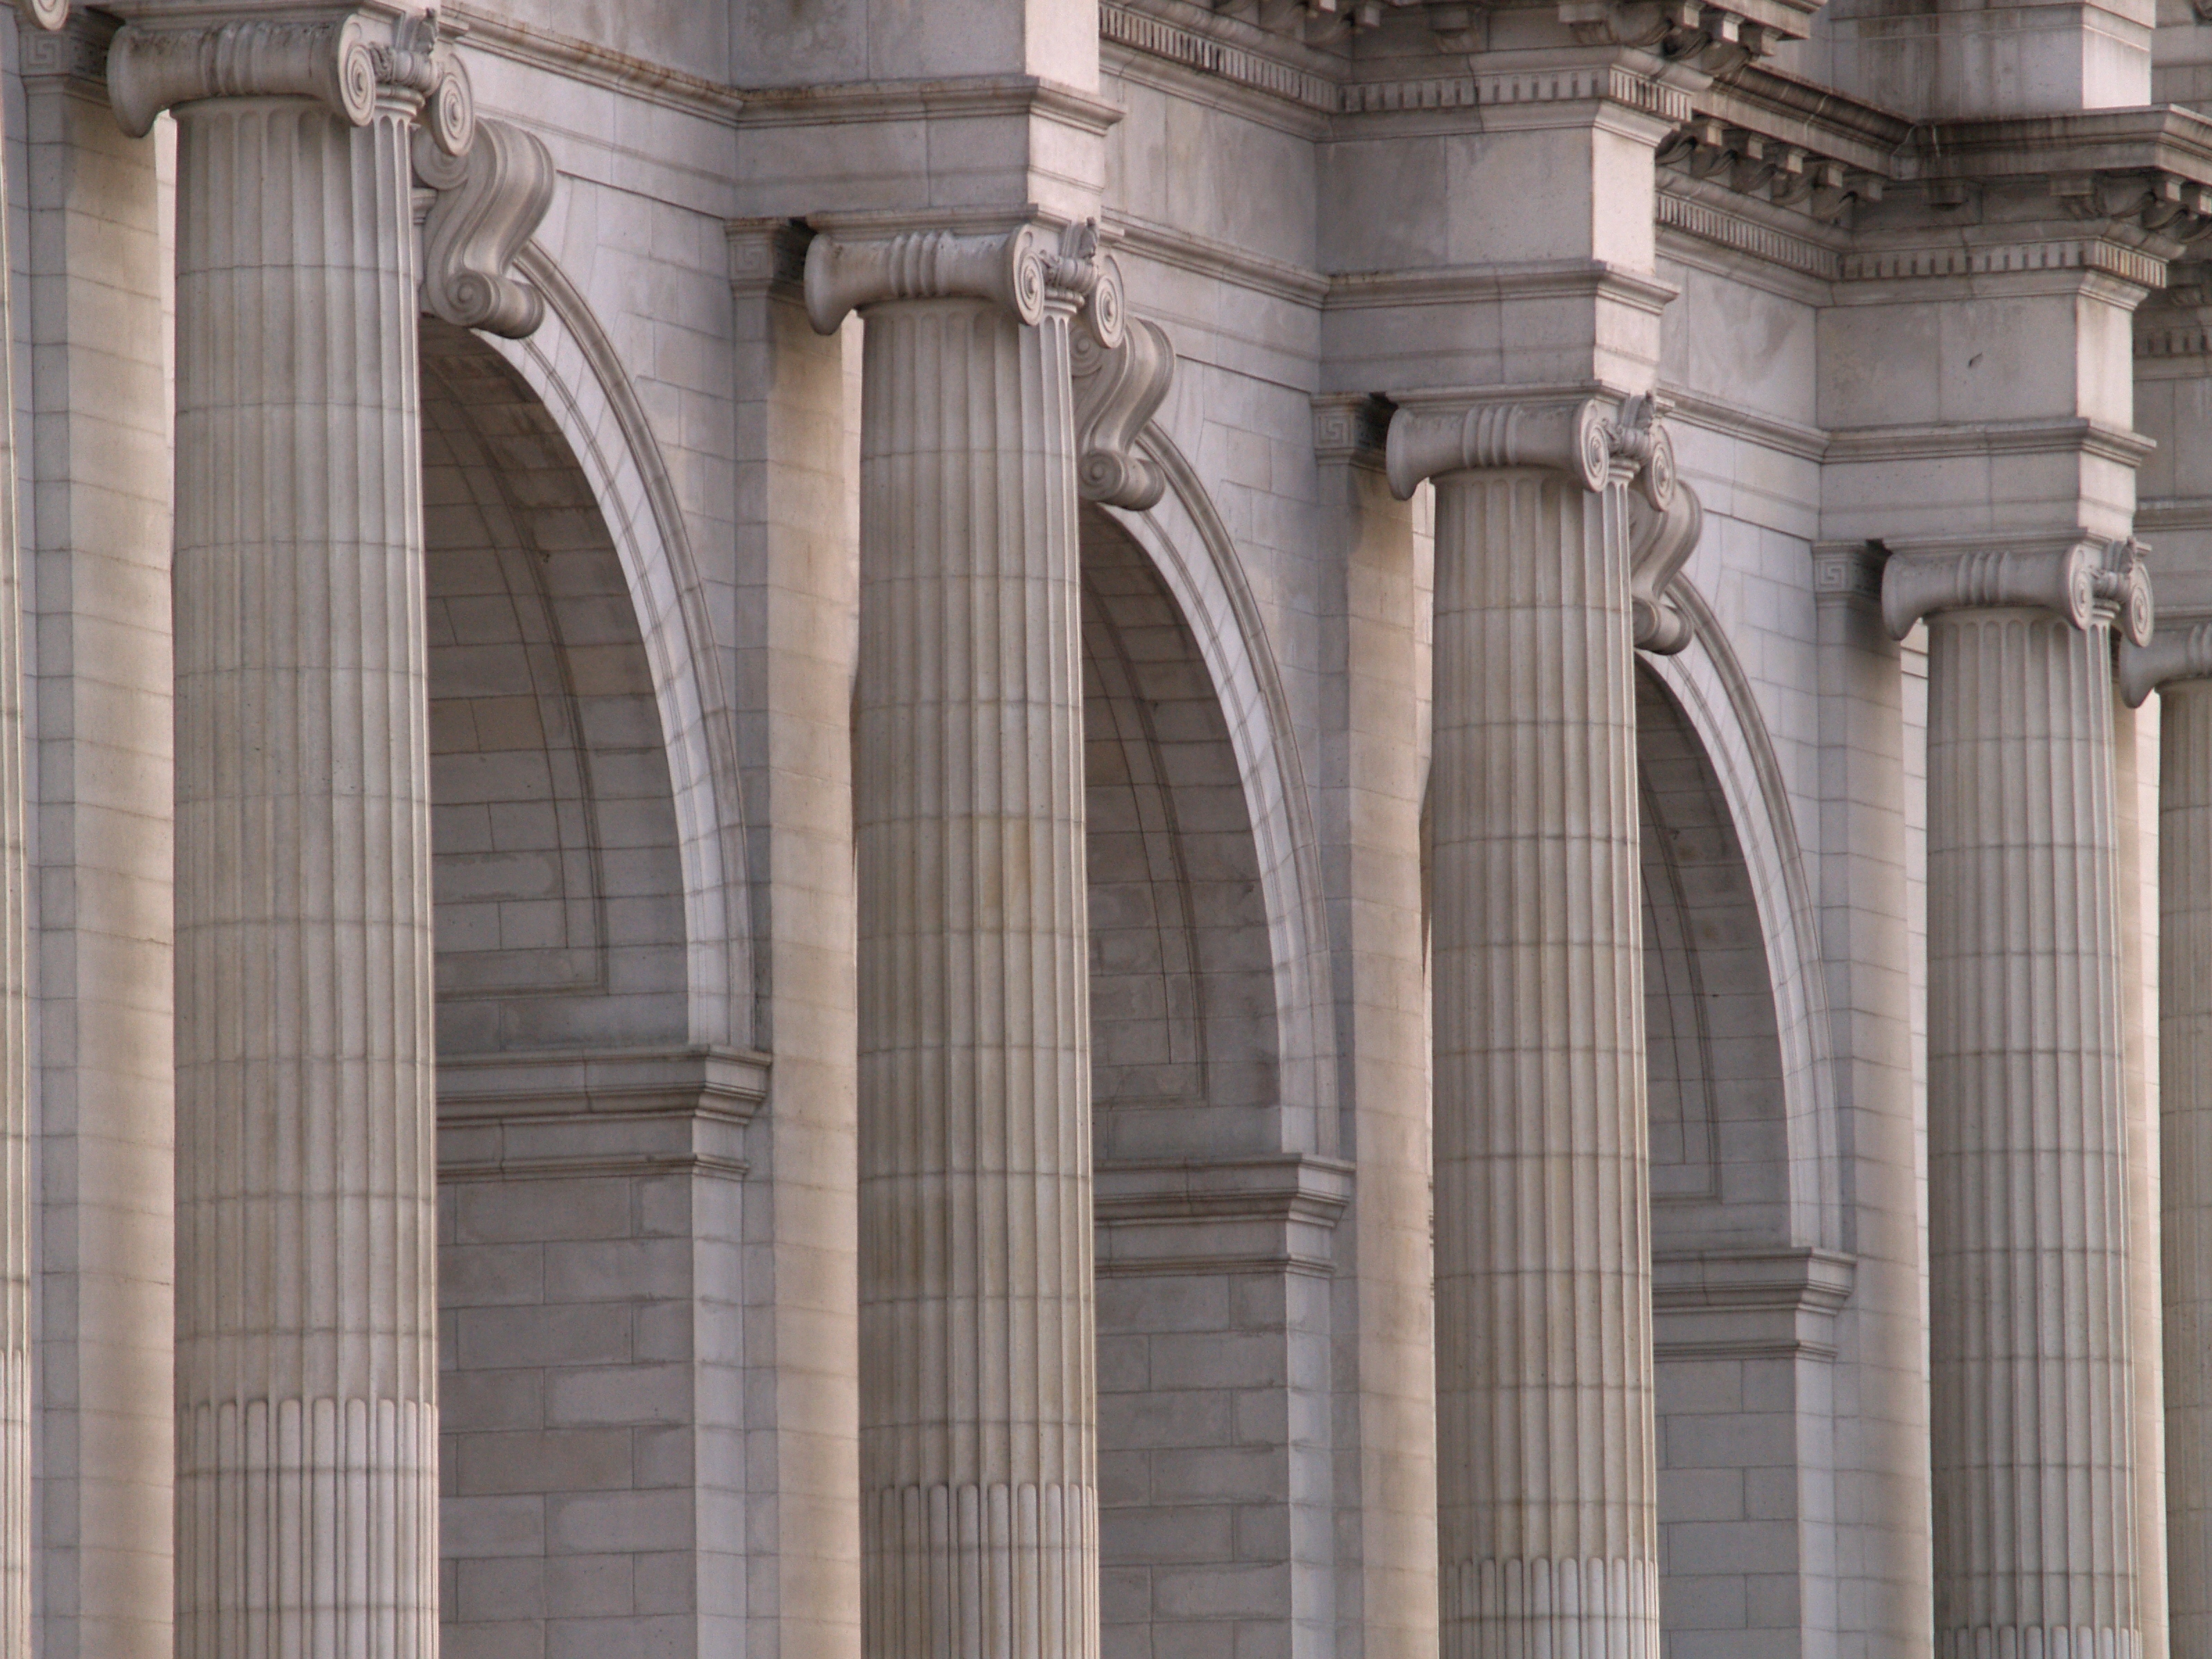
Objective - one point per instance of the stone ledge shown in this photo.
(1748, 1303)
(597, 1112)
(1268, 1212)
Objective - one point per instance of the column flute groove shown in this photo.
(1546, 1512)
(2031, 1381)
(978, 1455)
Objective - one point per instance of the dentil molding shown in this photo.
(2083, 581)
(350, 60)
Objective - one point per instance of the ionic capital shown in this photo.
(47, 14)
(350, 60)
(1116, 391)
(1660, 543)
(1028, 271)
(2083, 581)
(489, 200)
(1587, 437)
(2180, 650)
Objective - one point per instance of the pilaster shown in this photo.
(1370, 812)
(97, 535)
(1883, 1494)
(798, 438)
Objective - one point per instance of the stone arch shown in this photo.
(555, 855)
(576, 372)
(1190, 548)
(1744, 1287)
(591, 1147)
(1714, 695)
(1184, 1033)
(1214, 1218)
(1720, 1153)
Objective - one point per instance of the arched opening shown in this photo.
(589, 1157)
(1213, 1245)
(1743, 1314)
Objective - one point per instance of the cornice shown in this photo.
(1440, 285)
(1301, 84)
(845, 103)
(1606, 82)
(1786, 437)
(1779, 107)
(2033, 253)
(1205, 257)
(2158, 514)
(499, 36)
(1679, 209)
(2162, 138)
(2175, 333)
(1263, 72)
(1922, 443)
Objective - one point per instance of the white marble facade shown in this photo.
(1106, 829)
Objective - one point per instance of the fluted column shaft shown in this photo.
(1546, 1511)
(2031, 1381)
(2184, 878)
(980, 1514)
(306, 1492)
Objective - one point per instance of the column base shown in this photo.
(1597, 1607)
(2039, 1642)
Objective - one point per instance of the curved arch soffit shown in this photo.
(1709, 686)
(573, 368)
(1219, 605)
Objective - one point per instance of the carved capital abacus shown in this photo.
(353, 61)
(488, 199)
(2180, 650)
(1587, 437)
(1116, 391)
(2083, 582)
(1028, 271)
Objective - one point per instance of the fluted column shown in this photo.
(307, 1481)
(2032, 1390)
(16, 1537)
(1547, 1508)
(2178, 664)
(979, 1507)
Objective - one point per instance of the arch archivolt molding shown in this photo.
(1710, 685)
(573, 368)
(1190, 547)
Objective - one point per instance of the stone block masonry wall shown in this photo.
(590, 1352)
(1214, 1393)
